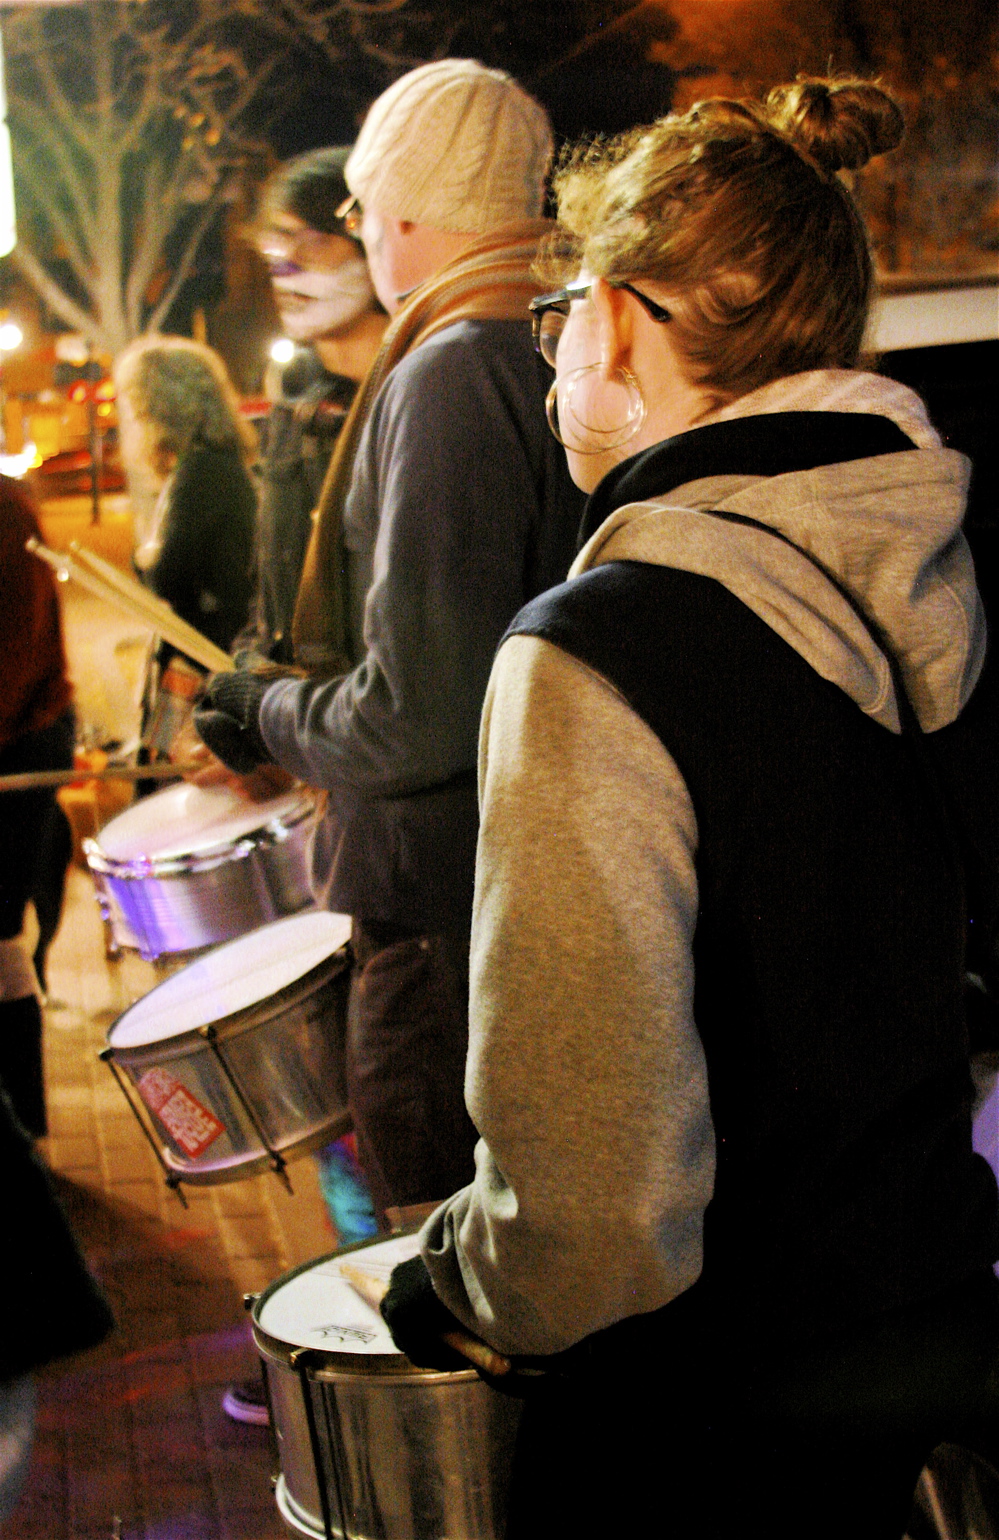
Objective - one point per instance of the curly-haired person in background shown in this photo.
(180, 421)
(738, 795)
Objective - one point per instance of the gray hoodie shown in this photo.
(586, 1077)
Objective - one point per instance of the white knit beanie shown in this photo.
(455, 146)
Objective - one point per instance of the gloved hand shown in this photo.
(418, 1320)
(228, 720)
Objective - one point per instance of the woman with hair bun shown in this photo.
(737, 809)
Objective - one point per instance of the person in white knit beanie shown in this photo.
(454, 145)
(444, 510)
(450, 151)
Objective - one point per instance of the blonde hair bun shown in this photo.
(838, 123)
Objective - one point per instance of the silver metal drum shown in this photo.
(192, 866)
(370, 1447)
(236, 1063)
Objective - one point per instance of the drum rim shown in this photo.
(207, 857)
(198, 1175)
(347, 1366)
(236, 1022)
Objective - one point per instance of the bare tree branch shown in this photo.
(118, 113)
(55, 297)
(75, 237)
(183, 268)
(74, 127)
(43, 132)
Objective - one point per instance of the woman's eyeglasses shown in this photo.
(549, 313)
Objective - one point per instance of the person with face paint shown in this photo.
(328, 308)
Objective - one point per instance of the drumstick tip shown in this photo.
(372, 1290)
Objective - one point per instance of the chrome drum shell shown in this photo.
(393, 1452)
(170, 899)
(224, 1098)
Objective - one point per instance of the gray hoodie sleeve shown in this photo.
(586, 1077)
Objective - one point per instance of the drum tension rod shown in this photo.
(299, 1359)
(272, 1426)
(170, 1177)
(278, 1163)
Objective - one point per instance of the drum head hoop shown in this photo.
(184, 819)
(236, 977)
(315, 1307)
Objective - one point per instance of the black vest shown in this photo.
(828, 952)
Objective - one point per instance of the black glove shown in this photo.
(228, 720)
(417, 1319)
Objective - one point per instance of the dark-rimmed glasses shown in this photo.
(549, 313)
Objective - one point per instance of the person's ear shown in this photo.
(614, 326)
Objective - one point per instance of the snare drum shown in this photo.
(192, 866)
(369, 1445)
(236, 1063)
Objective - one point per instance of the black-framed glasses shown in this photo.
(549, 313)
(351, 214)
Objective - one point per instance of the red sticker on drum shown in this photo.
(187, 1122)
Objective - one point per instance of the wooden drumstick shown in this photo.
(373, 1290)
(32, 780)
(128, 595)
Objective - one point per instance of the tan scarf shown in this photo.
(490, 281)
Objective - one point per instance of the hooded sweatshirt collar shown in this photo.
(837, 474)
(770, 444)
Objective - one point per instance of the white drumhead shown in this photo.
(232, 978)
(318, 1308)
(184, 819)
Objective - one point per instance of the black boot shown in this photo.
(52, 856)
(21, 1061)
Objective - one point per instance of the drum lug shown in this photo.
(173, 1182)
(300, 1360)
(106, 1055)
(249, 1300)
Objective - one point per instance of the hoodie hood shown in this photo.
(847, 467)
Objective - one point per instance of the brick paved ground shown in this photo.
(131, 1438)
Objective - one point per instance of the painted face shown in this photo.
(321, 282)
